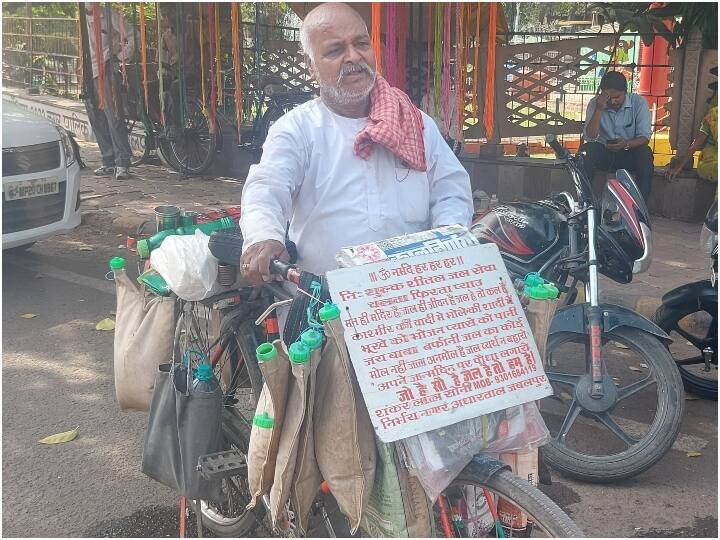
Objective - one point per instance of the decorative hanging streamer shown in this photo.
(460, 63)
(140, 105)
(476, 63)
(489, 113)
(143, 56)
(202, 58)
(113, 97)
(99, 57)
(390, 45)
(446, 97)
(180, 32)
(213, 84)
(236, 20)
(375, 36)
(218, 56)
(161, 85)
(122, 49)
(428, 85)
(437, 59)
(402, 15)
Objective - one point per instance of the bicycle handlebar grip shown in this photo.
(280, 268)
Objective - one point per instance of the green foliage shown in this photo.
(639, 17)
(65, 10)
(534, 15)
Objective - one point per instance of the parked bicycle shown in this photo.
(609, 366)
(231, 352)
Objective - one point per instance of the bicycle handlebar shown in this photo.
(286, 271)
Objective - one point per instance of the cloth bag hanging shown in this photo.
(182, 426)
(344, 436)
(264, 442)
(540, 314)
(144, 333)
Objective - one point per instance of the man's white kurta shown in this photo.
(309, 175)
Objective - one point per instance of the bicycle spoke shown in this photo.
(569, 420)
(635, 387)
(609, 422)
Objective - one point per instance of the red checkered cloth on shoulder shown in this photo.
(395, 123)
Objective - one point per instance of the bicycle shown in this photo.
(231, 352)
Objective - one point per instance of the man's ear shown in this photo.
(311, 66)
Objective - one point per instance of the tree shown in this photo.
(649, 21)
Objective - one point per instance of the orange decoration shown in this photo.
(375, 36)
(489, 114)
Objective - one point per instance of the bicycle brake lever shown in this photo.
(270, 309)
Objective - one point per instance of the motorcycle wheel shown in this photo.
(701, 332)
(633, 426)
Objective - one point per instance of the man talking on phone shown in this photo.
(617, 132)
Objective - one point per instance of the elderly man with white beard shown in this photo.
(358, 164)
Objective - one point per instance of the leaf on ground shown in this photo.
(636, 369)
(694, 454)
(28, 315)
(644, 366)
(105, 324)
(65, 436)
(86, 248)
(691, 398)
(620, 345)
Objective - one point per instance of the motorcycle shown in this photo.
(593, 347)
(691, 312)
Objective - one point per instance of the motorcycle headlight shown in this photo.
(67, 146)
(708, 240)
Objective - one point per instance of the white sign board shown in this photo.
(437, 339)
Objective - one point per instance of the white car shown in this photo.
(40, 178)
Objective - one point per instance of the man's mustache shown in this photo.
(348, 69)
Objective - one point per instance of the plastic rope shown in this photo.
(446, 69)
(213, 86)
(180, 25)
(143, 56)
(460, 68)
(236, 19)
(161, 85)
(218, 56)
(476, 63)
(99, 57)
(428, 77)
(375, 36)
(489, 114)
(202, 58)
(437, 57)
(390, 45)
(402, 15)
(315, 291)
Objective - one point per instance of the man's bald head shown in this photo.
(324, 16)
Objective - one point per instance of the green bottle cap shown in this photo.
(265, 352)
(299, 353)
(143, 248)
(329, 312)
(533, 280)
(116, 263)
(312, 338)
(542, 292)
(204, 372)
(263, 420)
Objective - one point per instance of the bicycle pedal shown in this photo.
(221, 464)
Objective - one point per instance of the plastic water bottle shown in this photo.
(205, 380)
(145, 246)
(117, 265)
(299, 353)
(312, 339)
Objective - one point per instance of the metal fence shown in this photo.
(42, 53)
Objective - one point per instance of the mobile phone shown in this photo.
(613, 141)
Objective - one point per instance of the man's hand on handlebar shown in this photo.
(255, 262)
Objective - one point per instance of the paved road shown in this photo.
(57, 374)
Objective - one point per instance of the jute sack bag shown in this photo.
(144, 333)
(344, 437)
(540, 314)
(287, 454)
(307, 477)
(264, 442)
(398, 506)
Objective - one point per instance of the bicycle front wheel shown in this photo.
(468, 498)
